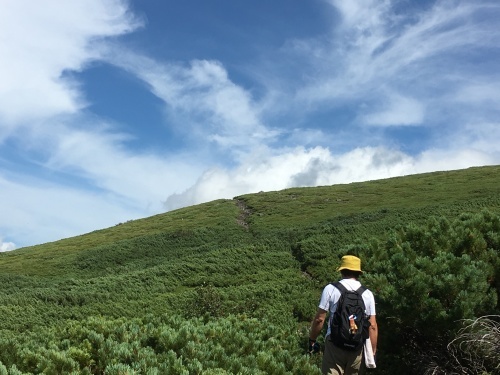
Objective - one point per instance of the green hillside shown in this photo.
(230, 286)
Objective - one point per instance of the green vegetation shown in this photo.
(231, 286)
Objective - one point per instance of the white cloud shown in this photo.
(362, 16)
(262, 170)
(40, 43)
(480, 136)
(446, 159)
(200, 95)
(6, 246)
(400, 111)
(374, 52)
(482, 93)
(101, 158)
(301, 167)
(39, 212)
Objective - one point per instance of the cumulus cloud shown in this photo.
(301, 167)
(6, 246)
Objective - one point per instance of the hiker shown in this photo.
(337, 360)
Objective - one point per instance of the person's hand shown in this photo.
(313, 346)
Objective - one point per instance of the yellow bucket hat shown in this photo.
(350, 262)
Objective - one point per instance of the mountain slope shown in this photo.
(265, 255)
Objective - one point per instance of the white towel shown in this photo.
(369, 358)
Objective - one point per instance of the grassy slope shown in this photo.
(48, 259)
(360, 211)
(307, 206)
(241, 245)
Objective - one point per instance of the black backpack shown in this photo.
(349, 323)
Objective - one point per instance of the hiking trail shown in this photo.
(245, 212)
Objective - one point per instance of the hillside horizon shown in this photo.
(493, 169)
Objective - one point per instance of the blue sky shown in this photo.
(117, 110)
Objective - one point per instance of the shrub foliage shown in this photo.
(230, 287)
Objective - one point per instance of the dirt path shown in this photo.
(245, 212)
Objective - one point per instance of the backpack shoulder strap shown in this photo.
(342, 290)
(361, 290)
(340, 287)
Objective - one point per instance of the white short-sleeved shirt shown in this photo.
(331, 295)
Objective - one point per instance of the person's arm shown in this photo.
(373, 332)
(317, 324)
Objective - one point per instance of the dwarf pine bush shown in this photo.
(168, 344)
(429, 278)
